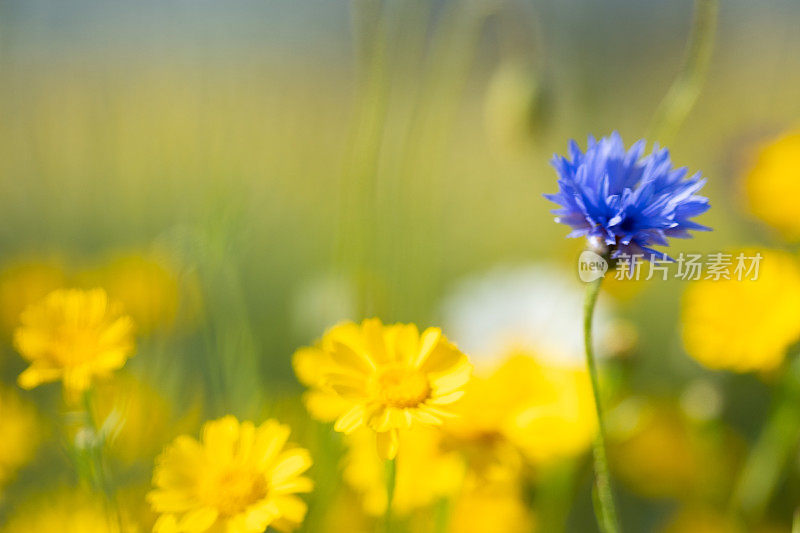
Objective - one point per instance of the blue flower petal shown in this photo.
(629, 201)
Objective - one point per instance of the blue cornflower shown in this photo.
(624, 202)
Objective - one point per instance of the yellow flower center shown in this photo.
(234, 490)
(403, 387)
(76, 345)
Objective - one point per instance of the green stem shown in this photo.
(767, 460)
(796, 521)
(442, 516)
(554, 495)
(683, 92)
(604, 499)
(391, 475)
(98, 474)
(357, 234)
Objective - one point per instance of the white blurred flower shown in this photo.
(536, 308)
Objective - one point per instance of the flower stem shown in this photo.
(796, 521)
(767, 461)
(442, 517)
(604, 499)
(685, 90)
(99, 477)
(391, 475)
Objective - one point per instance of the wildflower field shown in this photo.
(400, 266)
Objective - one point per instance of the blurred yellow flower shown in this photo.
(73, 336)
(239, 478)
(146, 286)
(345, 513)
(19, 434)
(425, 472)
(145, 418)
(702, 520)
(744, 325)
(131, 500)
(387, 377)
(491, 508)
(623, 289)
(546, 410)
(773, 185)
(657, 452)
(24, 282)
(64, 512)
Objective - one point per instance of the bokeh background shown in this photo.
(244, 174)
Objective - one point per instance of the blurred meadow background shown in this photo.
(243, 175)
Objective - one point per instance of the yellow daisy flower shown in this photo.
(73, 336)
(239, 478)
(746, 325)
(386, 377)
(773, 185)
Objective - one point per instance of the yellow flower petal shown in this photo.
(291, 463)
(294, 485)
(375, 341)
(35, 375)
(220, 436)
(308, 365)
(166, 524)
(270, 438)
(428, 342)
(291, 507)
(446, 398)
(326, 406)
(442, 358)
(450, 382)
(198, 520)
(406, 342)
(261, 515)
(351, 420)
(350, 360)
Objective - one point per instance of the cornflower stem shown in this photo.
(767, 460)
(605, 509)
(391, 475)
